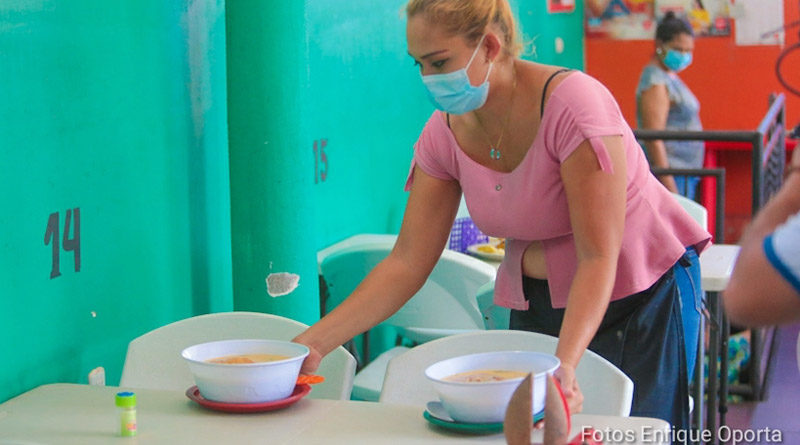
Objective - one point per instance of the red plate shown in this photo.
(299, 392)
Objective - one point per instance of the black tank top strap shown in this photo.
(448, 119)
(546, 84)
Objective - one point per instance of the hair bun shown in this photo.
(671, 25)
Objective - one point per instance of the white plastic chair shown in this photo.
(154, 359)
(355, 240)
(445, 305)
(494, 316)
(606, 389)
(694, 209)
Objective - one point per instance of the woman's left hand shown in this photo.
(569, 386)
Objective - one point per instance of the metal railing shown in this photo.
(719, 206)
(768, 144)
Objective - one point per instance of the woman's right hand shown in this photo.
(431, 209)
(311, 362)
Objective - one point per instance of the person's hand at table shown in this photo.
(565, 374)
(311, 362)
(569, 386)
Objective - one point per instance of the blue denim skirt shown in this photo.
(688, 278)
(642, 334)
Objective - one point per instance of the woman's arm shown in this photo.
(654, 108)
(597, 201)
(757, 294)
(429, 215)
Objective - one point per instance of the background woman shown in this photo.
(544, 159)
(664, 102)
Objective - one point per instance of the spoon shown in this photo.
(309, 379)
(437, 410)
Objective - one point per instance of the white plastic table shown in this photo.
(716, 266)
(86, 415)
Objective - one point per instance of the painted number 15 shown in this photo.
(73, 244)
(320, 161)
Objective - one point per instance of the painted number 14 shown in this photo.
(73, 244)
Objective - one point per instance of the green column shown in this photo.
(114, 185)
(209, 194)
(272, 172)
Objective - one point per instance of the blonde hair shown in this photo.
(470, 18)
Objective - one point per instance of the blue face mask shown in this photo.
(453, 93)
(677, 60)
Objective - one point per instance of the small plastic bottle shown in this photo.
(126, 401)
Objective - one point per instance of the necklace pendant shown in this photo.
(494, 154)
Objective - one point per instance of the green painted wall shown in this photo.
(129, 111)
(116, 109)
(324, 108)
(366, 99)
(369, 104)
(543, 30)
(269, 195)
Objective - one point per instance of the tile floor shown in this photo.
(781, 409)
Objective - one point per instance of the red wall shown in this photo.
(732, 82)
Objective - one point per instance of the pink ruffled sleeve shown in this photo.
(582, 109)
(434, 152)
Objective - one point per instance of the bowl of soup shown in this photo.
(476, 388)
(245, 371)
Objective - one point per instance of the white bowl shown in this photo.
(486, 402)
(250, 382)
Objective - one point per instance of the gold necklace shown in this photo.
(494, 149)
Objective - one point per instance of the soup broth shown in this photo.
(238, 359)
(484, 375)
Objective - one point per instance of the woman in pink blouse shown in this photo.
(596, 246)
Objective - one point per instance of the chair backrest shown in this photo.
(494, 316)
(154, 359)
(606, 389)
(445, 302)
(355, 240)
(694, 209)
